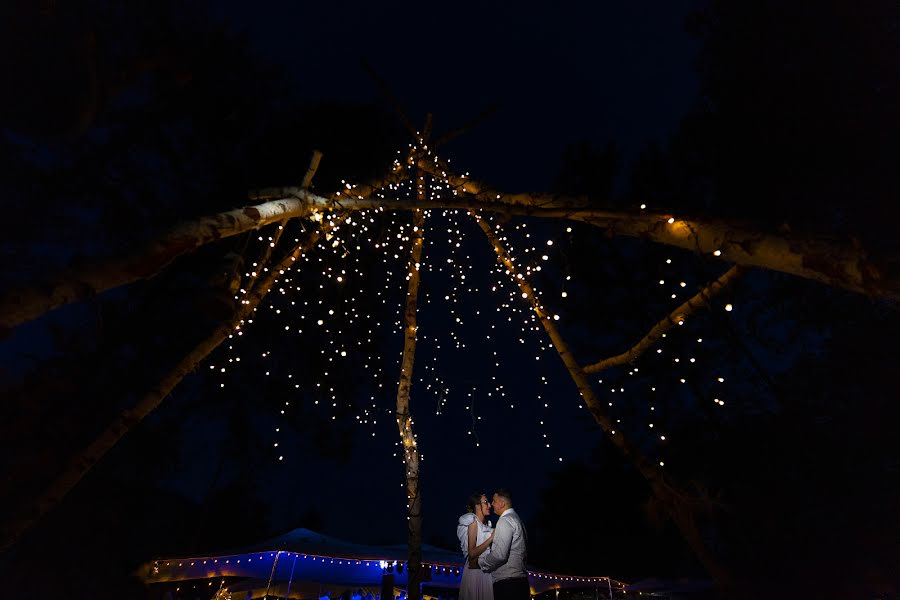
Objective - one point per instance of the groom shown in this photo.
(506, 560)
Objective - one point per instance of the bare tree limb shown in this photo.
(651, 472)
(426, 130)
(477, 120)
(383, 88)
(462, 184)
(314, 161)
(676, 317)
(276, 237)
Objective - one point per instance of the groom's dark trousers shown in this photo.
(515, 588)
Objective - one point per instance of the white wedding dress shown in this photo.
(476, 584)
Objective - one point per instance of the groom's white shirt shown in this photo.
(508, 553)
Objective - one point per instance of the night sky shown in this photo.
(131, 120)
(621, 73)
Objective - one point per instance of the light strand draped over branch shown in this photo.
(675, 502)
(404, 417)
(699, 300)
(130, 418)
(74, 284)
(436, 168)
(596, 408)
(832, 262)
(837, 263)
(314, 161)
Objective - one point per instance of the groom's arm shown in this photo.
(499, 553)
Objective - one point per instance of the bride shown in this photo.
(475, 536)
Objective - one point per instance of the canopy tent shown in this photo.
(303, 563)
(655, 585)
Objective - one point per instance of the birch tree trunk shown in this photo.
(841, 264)
(677, 505)
(128, 419)
(404, 418)
(25, 303)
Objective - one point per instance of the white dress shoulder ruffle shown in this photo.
(475, 584)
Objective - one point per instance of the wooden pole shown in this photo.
(404, 418)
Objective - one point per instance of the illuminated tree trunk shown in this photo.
(677, 503)
(404, 419)
(128, 419)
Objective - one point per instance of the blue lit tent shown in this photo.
(308, 565)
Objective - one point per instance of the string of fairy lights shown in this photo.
(531, 268)
(349, 313)
(218, 567)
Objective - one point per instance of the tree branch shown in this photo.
(578, 375)
(841, 264)
(314, 161)
(23, 304)
(276, 237)
(678, 315)
(477, 120)
(834, 263)
(461, 184)
(383, 88)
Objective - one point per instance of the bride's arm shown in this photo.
(476, 550)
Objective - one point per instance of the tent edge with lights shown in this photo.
(302, 557)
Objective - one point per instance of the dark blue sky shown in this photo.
(606, 72)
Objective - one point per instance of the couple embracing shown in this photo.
(495, 558)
